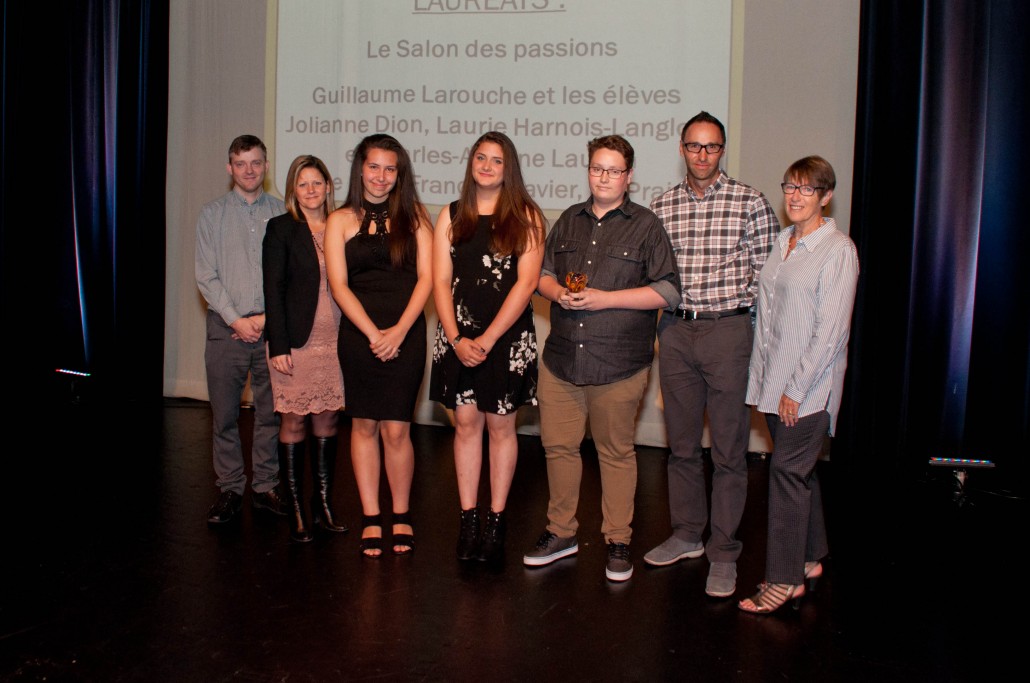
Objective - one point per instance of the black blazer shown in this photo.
(291, 281)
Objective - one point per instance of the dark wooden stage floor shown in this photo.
(113, 575)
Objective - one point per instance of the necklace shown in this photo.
(322, 252)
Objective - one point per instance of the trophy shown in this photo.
(575, 282)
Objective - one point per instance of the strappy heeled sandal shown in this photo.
(772, 596)
(406, 542)
(372, 543)
(813, 570)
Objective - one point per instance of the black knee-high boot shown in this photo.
(291, 466)
(322, 469)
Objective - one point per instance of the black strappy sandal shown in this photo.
(404, 541)
(372, 542)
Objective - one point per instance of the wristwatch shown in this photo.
(457, 339)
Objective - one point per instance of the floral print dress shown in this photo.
(507, 378)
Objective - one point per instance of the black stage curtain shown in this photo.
(84, 126)
(940, 350)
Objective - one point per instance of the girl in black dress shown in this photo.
(487, 253)
(378, 259)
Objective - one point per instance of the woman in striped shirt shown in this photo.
(806, 292)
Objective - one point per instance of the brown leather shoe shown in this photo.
(269, 500)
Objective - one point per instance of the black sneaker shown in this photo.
(619, 567)
(550, 548)
(227, 506)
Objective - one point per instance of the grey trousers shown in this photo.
(229, 362)
(797, 528)
(704, 364)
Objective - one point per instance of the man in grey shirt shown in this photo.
(228, 269)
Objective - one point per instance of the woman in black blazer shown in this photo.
(301, 322)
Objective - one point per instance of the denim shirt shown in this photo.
(626, 248)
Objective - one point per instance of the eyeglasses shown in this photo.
(613, 173)
(695, 147)
(806, 190)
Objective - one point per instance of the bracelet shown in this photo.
(457, 339)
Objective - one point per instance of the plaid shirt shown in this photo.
(720, 241)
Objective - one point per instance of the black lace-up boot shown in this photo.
(491, 547)
(468, 535)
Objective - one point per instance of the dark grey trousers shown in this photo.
(797, 528)
(229, 362)
(704, 364)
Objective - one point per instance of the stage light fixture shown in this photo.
(959, 474)
(76, 373)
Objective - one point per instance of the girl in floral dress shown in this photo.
(487, 253)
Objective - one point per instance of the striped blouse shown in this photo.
(805, 300)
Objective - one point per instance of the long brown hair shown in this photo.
(405, 209)
(518, 222)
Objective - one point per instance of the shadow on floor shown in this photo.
(112, 575)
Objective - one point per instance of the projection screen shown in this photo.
(551, 74)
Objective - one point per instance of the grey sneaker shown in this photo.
(550, 548)
(619, 567)
(673, 550)
(722, 579)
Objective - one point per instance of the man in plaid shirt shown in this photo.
(721, 232)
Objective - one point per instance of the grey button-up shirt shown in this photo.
(228, 253)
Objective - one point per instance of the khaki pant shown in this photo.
(612, 411)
